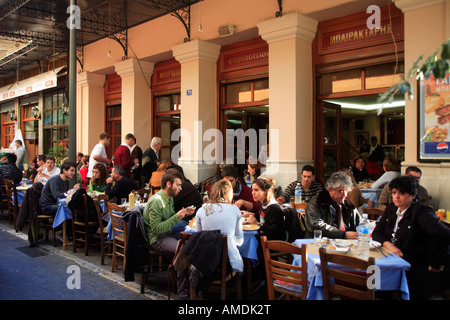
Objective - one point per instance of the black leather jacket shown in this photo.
(319, 216)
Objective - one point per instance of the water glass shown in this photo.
(317, 238)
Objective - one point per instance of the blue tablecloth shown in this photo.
(372, 195)
(392, 269)
(62, 214)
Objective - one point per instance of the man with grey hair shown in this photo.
(150, 159)
(331, 212)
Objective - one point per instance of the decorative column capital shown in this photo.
(196, 50)
(294, 25)
(87, 78)
(408, 5)
(134, 67)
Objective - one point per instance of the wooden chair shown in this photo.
(373, 213)
(44, 221)
(104, 242)
(83, 230)
(222, 278)
(103, 197)
(13, 203)
(120, 233)
(368, 202)
(284, 278)
(346, 284)
(301, 206)
(143, 193)
(155, 189)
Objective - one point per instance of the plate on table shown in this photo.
(250, 227)
(336, 248)
(192, 223)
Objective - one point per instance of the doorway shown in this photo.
(346, 125)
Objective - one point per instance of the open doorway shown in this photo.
(355, 120)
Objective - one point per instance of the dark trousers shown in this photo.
(167, 245)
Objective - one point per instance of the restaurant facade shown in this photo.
(281, 75)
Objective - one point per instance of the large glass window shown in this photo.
(168, 117)
(114, 128)
(56, 123)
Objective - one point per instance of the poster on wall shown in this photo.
(434, 119)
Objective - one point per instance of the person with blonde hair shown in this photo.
(270, 215)
(221, 214)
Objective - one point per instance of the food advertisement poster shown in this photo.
(434, 119)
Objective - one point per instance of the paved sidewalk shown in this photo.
(46, 273)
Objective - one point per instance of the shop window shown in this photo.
(168, 117)
(114, 128)
(341, 82)
(56, 123)
(8, 130)
(382, 76)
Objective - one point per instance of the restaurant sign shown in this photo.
(250, 58)
(357, 36)
(434, 119)
(31, 85)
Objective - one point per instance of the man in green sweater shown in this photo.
(160, 216)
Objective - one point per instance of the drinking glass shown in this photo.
(317, 238)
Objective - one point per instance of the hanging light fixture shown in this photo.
(12, 115)
(36, 112)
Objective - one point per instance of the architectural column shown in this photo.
(90, 110)
(291, 92)
(137, 110)
(426, 28)
(198, 61)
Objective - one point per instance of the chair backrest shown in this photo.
(143, 193)
(10, 189)
(373, 213)
(103, 196)
(281, 271)
(302, 205)
(155, 189)
(347, 284)
(118, 224)
(99, 213)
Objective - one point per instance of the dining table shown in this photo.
(392, 269)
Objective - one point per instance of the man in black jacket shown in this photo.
(10, 170)
(328, 211)
(119, 185)
(150, 159)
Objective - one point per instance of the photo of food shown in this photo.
(434, 118)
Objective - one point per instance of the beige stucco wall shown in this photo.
(426, 26)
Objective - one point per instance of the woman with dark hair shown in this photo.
(270, 215)
(99, 176)
(359, 169)
(411, 230)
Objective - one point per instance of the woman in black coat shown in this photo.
(411, 230)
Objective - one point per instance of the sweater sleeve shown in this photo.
(289, 192)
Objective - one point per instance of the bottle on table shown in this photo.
(364, 237)
(298, 194)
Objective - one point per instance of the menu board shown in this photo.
(434, 119)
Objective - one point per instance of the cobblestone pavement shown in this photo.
(50, 273)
